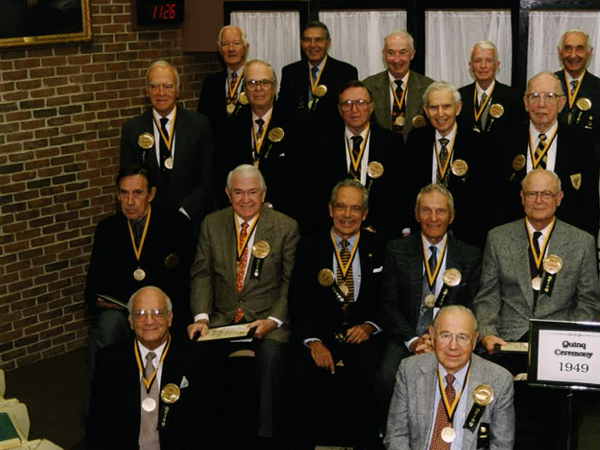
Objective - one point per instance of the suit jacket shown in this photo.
(114, 418)
(315, 311)
(509, 98)
(505, 302)
(214, 271)
(590, 89)
(574, 158)
(113, 261)
(412, 407)
(191, 178)
(379, 86)
(293, 94)
(403, 282)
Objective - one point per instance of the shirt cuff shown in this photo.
(309, 340)
(184, 212)
(377, 327)
(407, 343)
(277, 321)
(201, 316)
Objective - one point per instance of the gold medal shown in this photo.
(419, 121)
(344, 289)
(448, 434)
(452, 277)
(276, 134)
(496, 110)
(375, 169)
(552, 264)
(172, 261)
(399, 121)
(325, 277)
(320, 90)
(139, 274)
(149, 404)
(518, 163)
(146, 141)
(170, 393)
(536, 283)
(243, 98)
(430, 300)
(459, 167)
(261, 250)
(169, 163)
(584, 104)
(230, 108)
(483, 395)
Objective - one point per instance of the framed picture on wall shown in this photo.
(39, 22)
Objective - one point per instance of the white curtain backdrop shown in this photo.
(545, 29)
(357, 36)
(450, 35)
(274, 36)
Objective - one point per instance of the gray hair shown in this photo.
(163, 63)
(266, 64)
(552, 174)
(247, 171)
(441, 86)
(486, 45)
(457, 308)
(349, 182)
(588, 42)
(232, 27)
(548, 73)
(439, 188)
(404, 34)
(159, 290)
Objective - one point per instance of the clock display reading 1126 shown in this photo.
(158, 12)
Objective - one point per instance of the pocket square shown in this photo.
(282, 155)
(184, 383)
(378, 269)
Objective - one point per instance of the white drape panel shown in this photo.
(357, 36)
(449, 38)
(545, 29)
(274, 36)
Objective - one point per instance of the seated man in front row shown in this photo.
(146, 392)
(439, 397)
(253, 290)
(335, 319)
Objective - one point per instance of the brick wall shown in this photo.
(61, 109)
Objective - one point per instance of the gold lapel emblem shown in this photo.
(576, 180)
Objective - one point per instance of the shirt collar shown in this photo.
(240, 221)
(450, 135)
(404, 79)
(459, 377)
(487, 91)
(266, 117)
(532, 230)
(363, 133)
(535, 133)
(144, 351)
(338, 240)
(320, 66)
(157, 116)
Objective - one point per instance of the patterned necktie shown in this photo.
(241, 268)
(443, 158)
(485, 113)
(356, 143)
(441, 418)
(574, 84)
(396, 111)
(432, 263)
(232, 99)
(314, 73)
(540, 150)
(164, 150)
(349, 282)
(426, 314)
(149, 421)
(259, 133)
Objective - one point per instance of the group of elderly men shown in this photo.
(384, 300)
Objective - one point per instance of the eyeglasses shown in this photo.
(252, 85)
(551, 98)
(461, 339)
(361, 105)
(165, 87)
(545, 195)
(342, 208)
(157, 314)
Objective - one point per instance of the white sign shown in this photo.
(569, 356)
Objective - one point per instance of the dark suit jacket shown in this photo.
(293, 94)
(113, 261)
(191, 177)
(114, 418)
(403, 282)
(379, 85)
(579, 207)
(315, 311)
(509, 98)
(590, 89)
(214, 271)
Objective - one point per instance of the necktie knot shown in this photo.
(234, 76)
(542, 137)
(260, 122)
(433, 249)
(574, 84)
(315, 71)
(344, 243)
(483, 98)
(444, 142)
(244, 227)
(356, 141)
(163, 122)
(149, 369)
(398, 85)
(449, 379)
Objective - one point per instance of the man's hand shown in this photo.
(423, 344)
(263, 327)
(321, 356)
(103, 304)
(359, 333)
(490, 340)
(200, 326)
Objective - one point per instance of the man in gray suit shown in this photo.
(483, 392)
(240, 275)
(397, 91)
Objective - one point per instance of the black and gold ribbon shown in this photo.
(536, 161)
(240, 250)
(432, 276)
(344, 267)
(450, 148)
(315, 83)
(138, 250)
(400, 101)
(451, 408)
(148, 383)
(355, 162)
(483, 105)
(572, 96)
(537, 258)
(168, 142)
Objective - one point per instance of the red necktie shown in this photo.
(241, 268)
(441, 418)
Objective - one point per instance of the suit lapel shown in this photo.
(426, 386)
(382, 97)
(520, 256)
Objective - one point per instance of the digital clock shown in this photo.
(159, 12)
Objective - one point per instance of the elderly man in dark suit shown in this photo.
(398, 91)
(417, 282)
(309, 87)
(336, 324)
(545, 143)
(146, 390)
(423, 412)
(489, 107)
(240, 275)
(175, 146)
